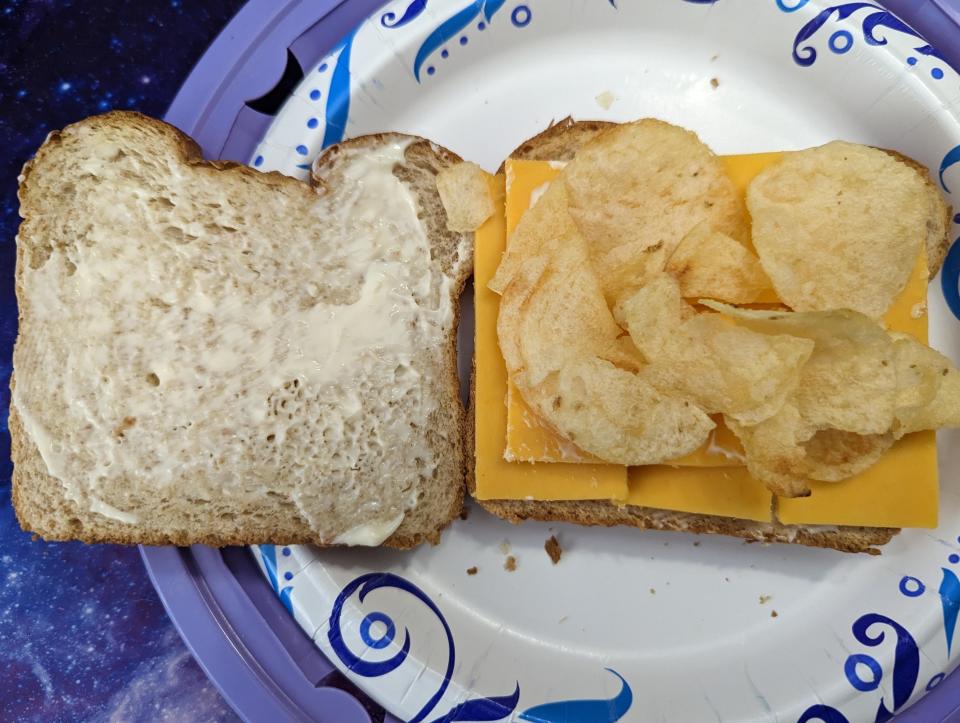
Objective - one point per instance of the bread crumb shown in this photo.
(552, 546)
(726, 579)
(696, 543)
(562, 620)
(918, 310)
(505, 547)
(773, 614)
(510, 564)
(472, 570)
(714, 83)
(605, 99)
(764, 599)
(713, 57)
(653, 591)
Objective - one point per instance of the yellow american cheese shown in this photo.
(899, 491)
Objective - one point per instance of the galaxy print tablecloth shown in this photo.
(82, 633)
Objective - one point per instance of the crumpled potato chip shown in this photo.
(615, 415)
(707, 359)
(833, 456)
(730, 369)
(465, 194)
(785, 452)
(710, 264)
(775, 452)
(839, 226)
(561, 344)
(636, 189)
(546, 229)
(928, 387)
(652, 313)
(849, 382)
(565, 318)
(510, 318)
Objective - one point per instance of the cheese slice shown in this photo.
(901, 490)
(495, 477)
(724, 491)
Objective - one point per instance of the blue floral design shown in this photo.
(841, 41)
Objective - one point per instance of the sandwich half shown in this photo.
(210, 354)
(560, 143)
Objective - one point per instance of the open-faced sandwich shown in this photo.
(675, 340)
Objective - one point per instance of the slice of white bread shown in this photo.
(560, 143)
(210, 354)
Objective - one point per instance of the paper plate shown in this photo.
(635, 626)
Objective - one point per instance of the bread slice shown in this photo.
(560, 143)
(210, 354)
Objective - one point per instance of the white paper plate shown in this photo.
(638, 626)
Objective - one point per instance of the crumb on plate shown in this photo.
(472, 570)
(552, 546)
(510, 564)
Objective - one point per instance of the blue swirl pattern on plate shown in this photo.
(583, 711)
(390, 20)
(841, 41)
(268, 553)
(499, 707)
(338, 97)
(868, 631)
(453, 25)
(475, 709)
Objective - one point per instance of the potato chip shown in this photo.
(652, 313)
(635, 190)
(561, 344)
(849, 382)
(785, 452)
(775, 452)
(547, 230)
(730, 369)
(928, 387)
(565, 318)
(707, 359)
(833, 456)
(617, 416)
(710, 264)
(464, 191)
(839, 226)
(517, 293)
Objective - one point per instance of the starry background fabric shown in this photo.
(83, 635)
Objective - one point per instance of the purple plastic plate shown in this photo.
(226, 611)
